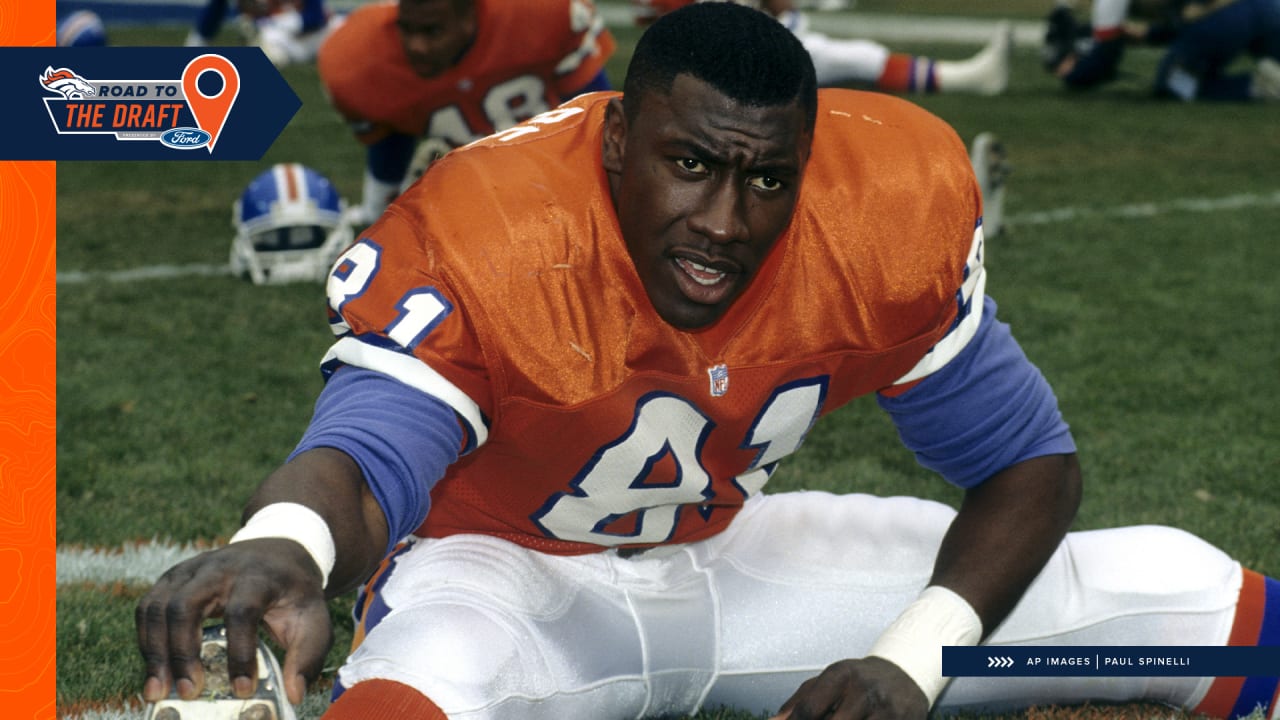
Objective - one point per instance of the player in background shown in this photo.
(1206, 39)
(417, 78)
(567, 362)
(851, 61)
(288, 31)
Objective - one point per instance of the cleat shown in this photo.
(985, 73)
(994, 61)
(1266, 80)
(216, 701)
(991, 167)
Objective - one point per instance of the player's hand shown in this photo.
(869, 688)
(269, 581)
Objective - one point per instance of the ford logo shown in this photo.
(186, 138)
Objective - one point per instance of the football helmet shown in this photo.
(289, 225)
(82, 28)
(217, 701)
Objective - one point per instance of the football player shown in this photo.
(1205, 40)
(426, 76)
(852, 61)
(567, 362)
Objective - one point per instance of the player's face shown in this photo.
(703, 186)
(435, 33)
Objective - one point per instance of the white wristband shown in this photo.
(914, 641)
(296, 522)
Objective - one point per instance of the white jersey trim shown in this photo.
(972, 293)
(412, 372)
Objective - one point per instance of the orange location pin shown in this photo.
(211, 110)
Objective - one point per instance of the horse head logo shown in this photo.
(67, 84)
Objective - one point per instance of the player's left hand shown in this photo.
(869, 688)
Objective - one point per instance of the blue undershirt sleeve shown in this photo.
(986, 410)
(402, 440)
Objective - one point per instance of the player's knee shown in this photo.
(454, 654)
(1149, 558)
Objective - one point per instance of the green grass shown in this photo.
(1159, 334)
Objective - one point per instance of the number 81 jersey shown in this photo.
(501, 285)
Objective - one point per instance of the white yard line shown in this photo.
(140, 563)
(1225, 203)
(1146, 210)
(153, 272)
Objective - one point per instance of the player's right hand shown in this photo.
(268, 581)
(870, 688)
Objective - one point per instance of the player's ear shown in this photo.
(615, 136)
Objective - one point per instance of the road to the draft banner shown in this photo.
(141, 103)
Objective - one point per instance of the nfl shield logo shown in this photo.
(719, 379)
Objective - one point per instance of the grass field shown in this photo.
(1138, 270)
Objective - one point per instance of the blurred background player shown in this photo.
(82, 28)
(1205, 39)
(417, 78)
(288, 31)
(850, 61)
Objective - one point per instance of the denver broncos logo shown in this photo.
(66, 83)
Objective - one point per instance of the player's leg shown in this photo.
(839, 61)
(986, 73)
(473, 627)
(1143, 585)
(805, 579)
(313, 14)
(294, 35)
(1197, 61)
(208, 23)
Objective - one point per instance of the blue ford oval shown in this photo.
(185, 138)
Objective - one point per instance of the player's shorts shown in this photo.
(488, 629)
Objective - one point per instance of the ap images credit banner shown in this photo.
(145, 103)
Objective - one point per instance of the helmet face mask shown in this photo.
(289, 226)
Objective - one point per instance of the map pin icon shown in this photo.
(211, 111)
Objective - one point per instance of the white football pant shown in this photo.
(488, 629)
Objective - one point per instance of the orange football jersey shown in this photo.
(525, 58)
(501, 284)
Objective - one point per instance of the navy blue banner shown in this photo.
(141, 103)
(1112, 661)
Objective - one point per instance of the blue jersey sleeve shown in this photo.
(402, 440)
(987, 409)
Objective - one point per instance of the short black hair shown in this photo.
(742, 52)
